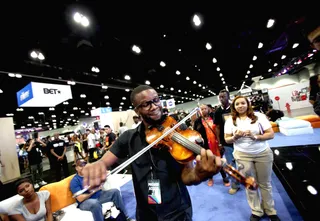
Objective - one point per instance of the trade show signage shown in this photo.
(170, 103)
(100, 110)
(43, 95)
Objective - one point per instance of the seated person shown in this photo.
(273, 114)
(33, 206)
(92, 201)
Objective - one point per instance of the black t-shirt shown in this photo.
(34, 155)
(57, 146)
(111, 137)
(176, 202)
(221, 115)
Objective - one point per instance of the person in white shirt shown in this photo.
(249, 132)
(137, 121)
(92, 139)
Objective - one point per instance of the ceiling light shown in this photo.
(19, 109)
(312, 190)
(71, 82)
(107, 103)
(164, 36)
(269, 70)
(218, 69)
(37, 55)
(254, 58)
(81, 19)
(89, 103)
(147, 82)
(124, 98)
(208, 46)
(10, 115)
(162, 64)
(95, 69)
(171, 88)
(270, 23)
(275, 64)
(246, 76)
(127, 90)
(179, 49)
(295, 45)
(283, 57)
(194, 82)
(221, 75)
(75, 108)
(260, 45)
(127, 77)
(66, 103)
(178, 73)
(187, 78)
(248, 72)
(179, 90)
(106, 97)
(83, 96)
(87, 114)
(136, 49)
(214, 60)
(196, 20)
(121, 103)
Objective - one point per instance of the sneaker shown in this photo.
(274, 218)
(254, 217)
(42, 183)
(36, 186)
(233, 191)
(210, 182)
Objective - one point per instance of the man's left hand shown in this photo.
(207, 164)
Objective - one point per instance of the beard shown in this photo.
(153, 122)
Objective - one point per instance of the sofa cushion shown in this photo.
(60, 193)
(310, 118)
(273, 124)
(296, 123)
(6, 204)
(72, 212)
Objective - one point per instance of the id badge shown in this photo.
(154, 191)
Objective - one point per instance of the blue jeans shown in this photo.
(95, 205)
(230, 160)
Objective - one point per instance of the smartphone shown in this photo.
(35, 135)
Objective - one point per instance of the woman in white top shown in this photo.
(34, 206)
(249, 132)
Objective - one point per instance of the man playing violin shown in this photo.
(159, 180)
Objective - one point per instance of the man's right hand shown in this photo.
(94, 174)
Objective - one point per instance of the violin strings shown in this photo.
(185, 142)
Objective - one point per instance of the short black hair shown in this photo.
(137, 90)
(20, 181)
(224, 91)
(107, 126)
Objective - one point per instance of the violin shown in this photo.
(183, 147)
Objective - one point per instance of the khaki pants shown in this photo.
(260, 167)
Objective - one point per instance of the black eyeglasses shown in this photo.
(147, 105)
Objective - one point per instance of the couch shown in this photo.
(61, 198)
(313, 119)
